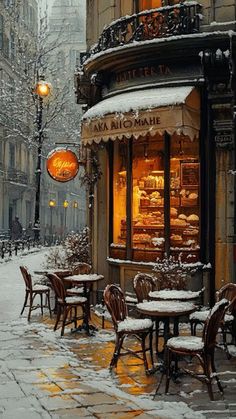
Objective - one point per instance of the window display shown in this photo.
(165, 200)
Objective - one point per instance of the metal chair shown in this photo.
(31, 291)
(203, 348)
(125, 326)
(67, 304)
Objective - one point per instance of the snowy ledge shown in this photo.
(156, 41)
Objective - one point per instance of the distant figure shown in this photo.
(16, 229)
(29, 232)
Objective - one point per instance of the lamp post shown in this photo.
(75, 206)
(42, 90)
(52, 204)
(65, 205)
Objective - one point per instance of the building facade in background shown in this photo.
(34, 47)
(159, 81)
(18, 29)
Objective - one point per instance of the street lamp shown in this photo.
(75, 206)
(52, 204)
(41, 90)
(65, 205)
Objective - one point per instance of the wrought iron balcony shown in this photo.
(163, 22)
(13, 175)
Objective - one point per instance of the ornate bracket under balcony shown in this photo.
(163, 22)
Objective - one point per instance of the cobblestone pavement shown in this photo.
(45, 376)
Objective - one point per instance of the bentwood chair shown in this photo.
(80, 268)
(67, 305)
(202, 348)
(32, 291)
(227, 326)
(125, 327)
(143, 284)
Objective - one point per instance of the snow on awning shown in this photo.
(142, 112)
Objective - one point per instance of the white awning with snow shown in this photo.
(142, 112)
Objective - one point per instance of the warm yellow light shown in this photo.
(43, 89)
(52, 203)
(65, 204)
(75, 204)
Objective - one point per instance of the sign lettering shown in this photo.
(62, 165)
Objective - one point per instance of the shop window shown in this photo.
(148, 194)
(156, 198)
(184, 195)
(119, 194)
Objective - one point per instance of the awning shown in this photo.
(142, 112)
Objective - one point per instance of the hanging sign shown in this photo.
(62, 165)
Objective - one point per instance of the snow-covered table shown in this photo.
(164, 311)
(179, 295)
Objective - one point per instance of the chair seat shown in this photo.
(75, 290)
(130, 325)
(186, 343)
(75, 300)
(201, 316)
(39, 287)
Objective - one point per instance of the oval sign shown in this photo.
(62, 165)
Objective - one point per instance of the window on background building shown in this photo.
(12, 156)
(152, 4)
(1, 32)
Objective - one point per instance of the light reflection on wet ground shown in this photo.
(95, 352)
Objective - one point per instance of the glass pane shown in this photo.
(119, 194)
(149, 4)
(148, 194)
(184, 196)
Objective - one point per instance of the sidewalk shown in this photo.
(45, 376)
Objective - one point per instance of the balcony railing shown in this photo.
(13, 175)
(163, 22)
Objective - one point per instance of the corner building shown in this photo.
(158, 83)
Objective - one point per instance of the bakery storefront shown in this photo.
(151, 140)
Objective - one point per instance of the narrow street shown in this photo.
(46, 376)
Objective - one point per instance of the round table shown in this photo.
(164, 311)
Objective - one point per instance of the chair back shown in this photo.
(143, 284)
(213, 323)
(81, 268)
(228, 291)
(27, 278)
(114, 299)
(232, 307)
(58, 287)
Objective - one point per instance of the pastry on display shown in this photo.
(193, 219)
(182, 217)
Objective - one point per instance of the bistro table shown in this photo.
(179, 295)
(86, 281)
(165, 310)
